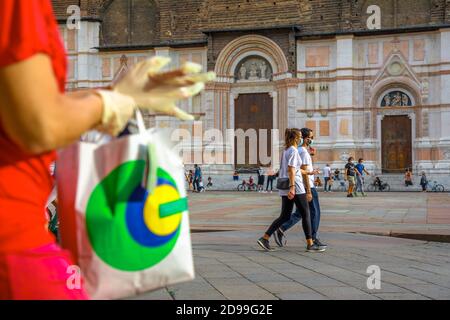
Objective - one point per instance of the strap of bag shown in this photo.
(140, 122)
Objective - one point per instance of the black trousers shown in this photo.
(286, 209)
(196, 184)
(269, 180)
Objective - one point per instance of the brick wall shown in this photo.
(219, 40)
(183, 20)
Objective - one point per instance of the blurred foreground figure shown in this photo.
(36, 118)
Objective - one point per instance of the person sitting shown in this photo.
(235, 176)
(209, 185)
(378, 183)
(336, 174)
(250, 181)
(408, 178)
(201, 188)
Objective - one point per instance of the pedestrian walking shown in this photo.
(350, 173)
(292, 191)
(360, 177)
(424, 181)
(189, 179)
(326, 177)
(197, 177)
(313, 205)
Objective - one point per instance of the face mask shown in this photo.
(311, 141)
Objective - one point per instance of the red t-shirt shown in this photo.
(26, 28)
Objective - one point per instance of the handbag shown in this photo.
(282, 183)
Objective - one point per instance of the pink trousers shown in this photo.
(44, 273)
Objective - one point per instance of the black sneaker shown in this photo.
(314, 248)
(279, 237)
(349, 195)
(265, 244)
(320, 244)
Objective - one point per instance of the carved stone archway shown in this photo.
(379, 112)
(248, 45)
(228, 86)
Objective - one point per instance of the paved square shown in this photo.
(230, 265)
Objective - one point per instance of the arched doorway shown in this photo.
(253, 112)
(251, 74)
(396, 143)
(396, 132)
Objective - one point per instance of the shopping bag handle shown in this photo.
(140, 122)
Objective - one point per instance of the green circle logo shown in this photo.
(130, 227)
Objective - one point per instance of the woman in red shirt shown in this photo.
(36, 117)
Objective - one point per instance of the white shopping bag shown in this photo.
(124, 215)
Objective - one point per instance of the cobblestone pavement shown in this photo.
(230, 265)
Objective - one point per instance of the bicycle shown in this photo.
(384, 186)
(245, 186)
(435, 187)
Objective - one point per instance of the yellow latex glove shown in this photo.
(145, 86)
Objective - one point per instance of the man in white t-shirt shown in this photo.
(326, 177)
(314, 206)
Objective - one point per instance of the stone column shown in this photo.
(344, 91)
(445, 86)
(444, 145)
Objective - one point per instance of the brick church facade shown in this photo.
(382, 94)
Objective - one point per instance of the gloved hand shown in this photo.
(148, 88)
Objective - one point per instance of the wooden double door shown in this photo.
(396, 144)
(253, 111)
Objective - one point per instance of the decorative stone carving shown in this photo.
(396, 68)
(396, 99)
(253, 69)
(253, 74)
(395, 113)
(425, 124)
(324, 86)
(447, 154)
(123, 60)
(310, 74)
(344, 156)
(243, 73)
(425, 89)
(367, 125)
(262, 69)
